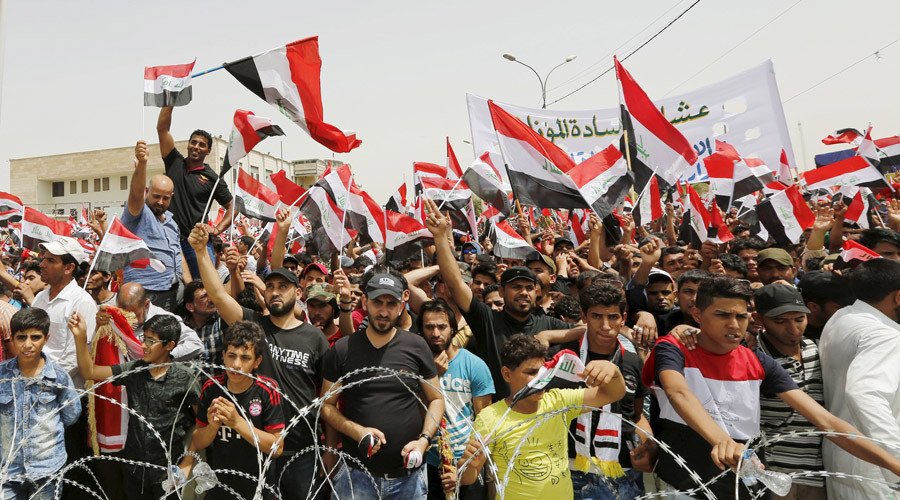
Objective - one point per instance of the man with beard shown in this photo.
(467, 385)
(519, 288)
(205, 320)
(293, 358)
(322, 309)
(147, 215)
(383, 425)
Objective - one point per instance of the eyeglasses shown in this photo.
(468, 250)
(153, 341)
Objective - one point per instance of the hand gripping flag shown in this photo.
(288, 79)
(247, 132)
(120, 247)
(253, 199)
(561, 371)
(168, 85)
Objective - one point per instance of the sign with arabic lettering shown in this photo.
(743, 110)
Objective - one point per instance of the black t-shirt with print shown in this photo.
(262, 405)
(294, 360)
(389, 404)
(492, 328)
(192, 190)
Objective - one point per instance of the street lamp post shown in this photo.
(510, 57)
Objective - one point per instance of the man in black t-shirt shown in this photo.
(293, 359)
(194, 183)
(382, 424)
(236, 412)
(518, 286)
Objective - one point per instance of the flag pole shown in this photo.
(453, 189)
(344, 217)
(221, 66)
(94, 260)
(204, 219)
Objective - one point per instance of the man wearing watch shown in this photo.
(382, 424)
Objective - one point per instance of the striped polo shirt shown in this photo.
(797, 453)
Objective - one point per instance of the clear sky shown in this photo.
(396, 72)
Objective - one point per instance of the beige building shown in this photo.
(59, 185)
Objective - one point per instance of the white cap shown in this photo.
(65, 245)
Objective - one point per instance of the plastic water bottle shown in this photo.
(752, 472)
(204, 478)
(175, 480)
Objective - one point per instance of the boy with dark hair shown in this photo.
(33, 415)
(239, 418)
(540, 467)
(748, 250)
(165, 394)
(882, 241)
(709, 397)
(733, 265)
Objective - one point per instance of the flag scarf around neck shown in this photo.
(290, 193)
(38, 228)
(510, 245)
(11, 207)
(288, 79)
(120, 247)
(168, 85)
(559, 372)
(485, 181)
(537, 169)
(253, 199)
(603, 180)
(853, 171)
(247, 132)
(405, 237)
(785, 215)
(113, 344)
(663, 147)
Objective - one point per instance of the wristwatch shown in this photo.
(427, 438)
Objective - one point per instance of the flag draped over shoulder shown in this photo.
(603, 180)
(120, 247)
(168, 85)
(253, 199)
(288, 79)
(247, 132)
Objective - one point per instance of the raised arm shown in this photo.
(439, 225)
(283, 221)
(163, 123)
(86, 366)
(138, 179)
(605, 384)
(228, 308)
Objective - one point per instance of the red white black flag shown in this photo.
(120, 247)
(603, 180)
(248, 130)
(785, 215)
(37, 228)
(168, 85)
(253, 199)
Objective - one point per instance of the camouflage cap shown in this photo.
(321, 291)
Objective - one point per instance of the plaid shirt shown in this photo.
(210, 334)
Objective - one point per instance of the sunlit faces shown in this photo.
(320, 313)
(519, 296)
(786, 329)
(749, 256)
(53, 269)
(383, 311)
(479, 282)
(355, 295)
(603, 324)
(156, 350)
(280, 296)
(542, 271)
(673, 263)
(687, 295)
(29, 343)
(660, 296)
(34, 281)
(202, 305)
(437, 331)
(240, 361)
(198, 148)
(520, 377)
(722, 324)
(494, 300)
(887, 250)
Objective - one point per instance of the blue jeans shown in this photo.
(296, 478)
(191, 258)
(353, 484)
(596, 487)
(25, 490)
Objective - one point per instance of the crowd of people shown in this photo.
(301, 376)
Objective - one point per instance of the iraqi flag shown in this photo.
(120, 247)
(663, 148)
(454, 196)
(868, 150)
(288, 79)
(603, 179)
(166, 86)
(720, 170)
(112, 346)
(843, 136)
(397, 202)
(858, 209)
(326, 220)
(890, 152)
(537, 169)
(649, 204)
(784, 170)
(37, 228)
(785, 215)
(248, 130)
(510, 245)
(290, 193)
(11, 208)
(453, 167)
(579, 228)
(853, 171)
(253, 199)
(705, 225)
(366, 216)
(854, 254)
(405, 237)
(484, 180)
(560, 372)
(422, 170)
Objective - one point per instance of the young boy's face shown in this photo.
(722, 324)
(155, 350)
(240, 360)
(29, 344)
(603, 324)
(520, 376)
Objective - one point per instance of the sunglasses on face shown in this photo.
(468, 250)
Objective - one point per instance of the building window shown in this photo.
(254, 172)
(96, 185)
(268, 174)
(84, 186)
(106, 183)
(73, 187)
(59, 189)
(123, 183)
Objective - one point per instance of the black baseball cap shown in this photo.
(382, 284)
(562, 239)
(776, 299)
(286, 274)
(822, 286)
(517, 273)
